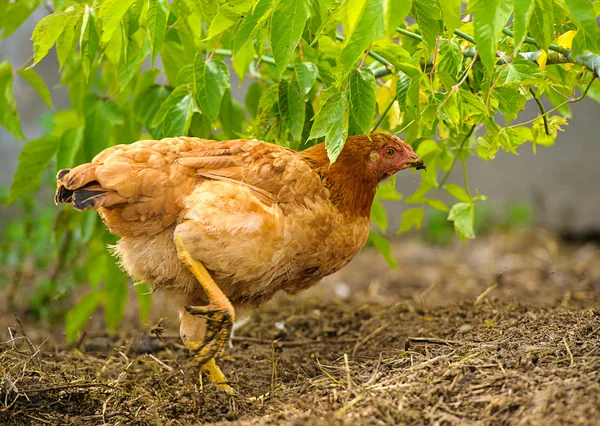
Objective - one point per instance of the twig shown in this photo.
(274, 369)
(462, 144)
(162, 364)
(568, 101)
(348, 376)
(291, 343)
(69, 386)
(373, 55)
(387, 109)
(569, 352)
(531, 40)
(431, 340)
(485, 293)
(542, 110)
(32, 350)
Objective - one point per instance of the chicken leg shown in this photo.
(219, 316)
(192, 330)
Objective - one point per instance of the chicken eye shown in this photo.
(390, 152)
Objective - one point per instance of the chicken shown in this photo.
(217, 226)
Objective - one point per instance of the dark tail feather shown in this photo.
(79, 188)
(63, 195)
(91, 196)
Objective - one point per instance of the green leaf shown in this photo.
(368, 28)
(158, 13)
(135, 56)
(9, 115)
(242, 59)
(251, 22)
(191, 12)
(34, 158)
(396, 11)
(517, 72)
(427, 14)
(292, 107)
(489, 17)
(362, 89)
(437, 204)
(306, 73)
(97, 258)
(78, 317)
(253, 97)
(15, 13)
(232, 116)
(115, 296)
(385, 248)
(510, 102)
(287, 24)
(378, 215)
(583, 13)
(402, 90)
(69, 146)
(223, 20)
(45, 34)
(185, 75)
(387, 191)
(541, 25)
(412, 217)
(34, 79)
(100, 116)
(211, 79)
(144, 297)
(462, 214)
(523, 9)
(449, 59)
(147, 105)
(88, 40)
(451, 14)
(111, 13)
(175, 113)
(65, 42)
(457, 192)
(332, 123)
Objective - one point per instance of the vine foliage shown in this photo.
(452, 76)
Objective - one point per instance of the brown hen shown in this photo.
(220, 225)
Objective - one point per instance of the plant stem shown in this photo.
(372, 54)
(568, 101)
(409, 34)
(542, 110)
(384, 114)
(462, 145)
(530, 40)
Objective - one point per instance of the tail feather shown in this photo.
(79, 187)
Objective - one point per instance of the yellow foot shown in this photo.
(216, 376)
(219, 323)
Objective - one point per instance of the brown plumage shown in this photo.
(260, 218)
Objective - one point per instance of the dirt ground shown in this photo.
(502, 330)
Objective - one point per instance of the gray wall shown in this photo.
(563, 179)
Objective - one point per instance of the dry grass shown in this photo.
(485, 360)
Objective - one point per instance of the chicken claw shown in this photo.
(218, 331)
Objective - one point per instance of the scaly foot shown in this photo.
(216, 376)
(219, 323)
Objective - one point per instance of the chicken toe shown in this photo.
(219, 324)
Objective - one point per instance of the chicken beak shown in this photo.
(420, 164)
(416, 162)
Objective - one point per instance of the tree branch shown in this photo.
(542, 110)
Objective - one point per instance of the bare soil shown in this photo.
(503, 330)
